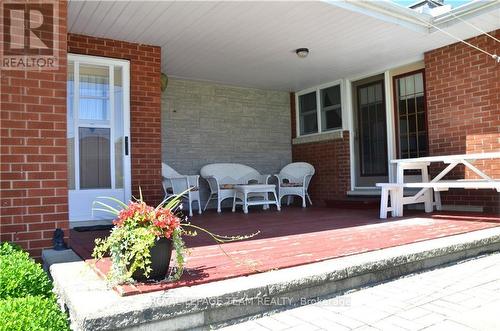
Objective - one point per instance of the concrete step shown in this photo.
(51, 256)
(94, 306)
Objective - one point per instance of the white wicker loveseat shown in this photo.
(222, 177)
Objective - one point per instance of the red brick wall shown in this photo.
(331, 160)
(463, 104)
(33, 178)
(145, 106)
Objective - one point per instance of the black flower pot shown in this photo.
(160, 261)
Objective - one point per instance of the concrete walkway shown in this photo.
(464, 296)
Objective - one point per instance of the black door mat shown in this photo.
(102, 227)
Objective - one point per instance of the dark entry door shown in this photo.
(372, 131)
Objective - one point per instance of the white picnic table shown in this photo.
(436, 184)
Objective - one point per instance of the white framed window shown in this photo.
(319, 109)
(308, 113)
(331, 108)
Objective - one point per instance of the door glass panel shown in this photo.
(402, 107)
(94, 93)
(378, 92)
(404, 146)
(411, 105)
(403, 127)
(95, 170)
(410, 85)
(412, 141)
(421, 122)
(412, 124)
(402, 87)
(422, 145)
(118, 114)
(373, 142)
(411, 101)
(71, 126)
(419, 83)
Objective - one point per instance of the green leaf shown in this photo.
(111, 209)
(118, 201)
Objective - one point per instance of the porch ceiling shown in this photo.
(252, 43)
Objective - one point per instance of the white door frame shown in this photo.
(80, 199)
(391, 150)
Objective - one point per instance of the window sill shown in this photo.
(317, 137)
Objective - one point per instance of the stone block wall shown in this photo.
(205, 123)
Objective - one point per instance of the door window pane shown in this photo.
(94, 93)
(420, 103)
(94, 81)
(411, 102)
(410, 85)
(378, 93)
(422, 144)
(419, 83)
(118, 113)
(308, 116)
(95, 167)
(372, 126)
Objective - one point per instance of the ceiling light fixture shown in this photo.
(302, 52)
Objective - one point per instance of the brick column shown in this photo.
(33, 175)
(463, 105)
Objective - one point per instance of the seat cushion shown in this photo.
(291, 185)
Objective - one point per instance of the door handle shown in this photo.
(126, 145)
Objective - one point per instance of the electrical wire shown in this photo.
(493, 56)
(469, 24)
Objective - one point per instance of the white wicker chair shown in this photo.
(222, 177)
(175, 183)
(294, 179)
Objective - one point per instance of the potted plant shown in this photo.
(141, 242)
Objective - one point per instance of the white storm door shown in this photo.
(98, 133)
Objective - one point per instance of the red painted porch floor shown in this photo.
(292, 237)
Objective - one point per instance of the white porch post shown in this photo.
(391, 134)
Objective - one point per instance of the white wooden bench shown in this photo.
(394, 191)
